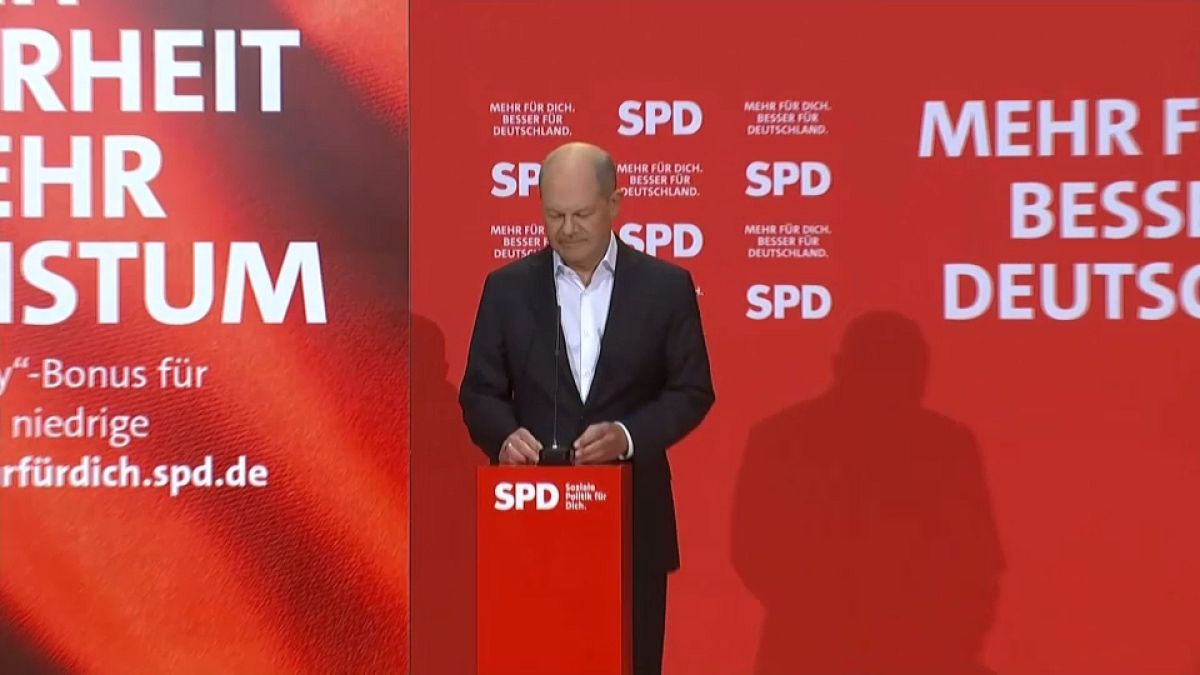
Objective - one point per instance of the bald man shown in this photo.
(633, 364)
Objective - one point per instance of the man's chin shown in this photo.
(571, 253)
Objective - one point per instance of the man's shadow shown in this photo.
(21, 655)
(443, 462)
(863, 525)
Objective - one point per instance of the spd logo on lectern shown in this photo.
(510, 496)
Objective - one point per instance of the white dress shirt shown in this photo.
(584, 315)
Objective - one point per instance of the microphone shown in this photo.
(554, 455)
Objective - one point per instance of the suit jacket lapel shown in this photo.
(620, 316)
(545, 301)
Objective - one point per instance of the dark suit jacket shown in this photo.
(652, 376)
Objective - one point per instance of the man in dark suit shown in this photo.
(632, 361)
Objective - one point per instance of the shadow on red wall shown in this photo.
(443, 513)
(18, 654)
(862, 522)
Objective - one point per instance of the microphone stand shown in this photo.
(554, 455)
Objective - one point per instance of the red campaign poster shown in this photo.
(203, 391)
(947, 259)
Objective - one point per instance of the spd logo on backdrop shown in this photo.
(779, 301)
(645, 118)
(517, 179)
(682, 240)
(812, 179)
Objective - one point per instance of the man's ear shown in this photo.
(614, 200)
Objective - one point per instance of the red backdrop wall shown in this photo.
(1035, 512)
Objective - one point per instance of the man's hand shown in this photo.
(520, 448)
(600, 443)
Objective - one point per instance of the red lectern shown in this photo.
(553, 570)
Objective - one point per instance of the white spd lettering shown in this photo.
(509, 179)
(510, 496)
(645, 117)
(774, 178)
(684, 240)
(775, 301)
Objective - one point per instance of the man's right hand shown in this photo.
(520, 448)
